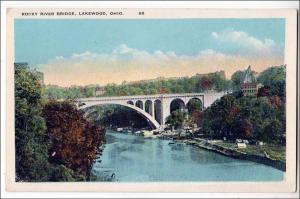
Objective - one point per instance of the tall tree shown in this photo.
(176, 119)
(30, 135)
(75, 141)
(205, 83)
(237, 79)
(271, 75)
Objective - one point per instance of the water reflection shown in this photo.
(134, 158)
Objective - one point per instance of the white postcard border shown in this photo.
(290, 59)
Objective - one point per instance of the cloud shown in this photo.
(212, 54)
(59, 57)
(242, 43)
(120, 53)
(129, 64)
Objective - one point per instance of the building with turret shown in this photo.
(250, 85)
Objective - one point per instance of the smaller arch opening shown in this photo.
(157, 111)
(130, 102)
(148, 106)
(139, 104)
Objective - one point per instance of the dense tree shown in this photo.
(271, 75)
(162, 90)
(197, 117)
(246, 129)
(223, 112)
(215, 81)
(273, 131)
(278, 88)
(30, 135)
(219, 81)
(237, 78)
(176, 119)
(273, 78)
(74, 140)
(205, 83)
(276, 102)
(247, 118)
(263, 91)
(194, 105)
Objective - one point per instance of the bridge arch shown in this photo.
(130, 102)
(146, 115)
(158, 111)
(149, 107)
(194, 104)
(139, 104)
(160, 103)
(177, 104)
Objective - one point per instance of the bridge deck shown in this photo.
(157, 96)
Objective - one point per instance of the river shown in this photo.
(131, 158)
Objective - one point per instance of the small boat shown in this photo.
(171, 143)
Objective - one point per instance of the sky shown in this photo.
(83, 52)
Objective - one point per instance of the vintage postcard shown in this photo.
(151, 100)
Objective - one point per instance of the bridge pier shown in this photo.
(165, 110)
(152, 109)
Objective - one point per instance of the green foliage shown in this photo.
(197, 117)
(176, 119)
(30, 135)
(61, 173)
(274, 79)
(272, 75)
(220, 83)
(205, 83)
(55, 92)
(32, 142)
(278, 88)
(273, 131)
(219, 117)
(261, 118)
(237, 78)
(194, 105)
(198, 83)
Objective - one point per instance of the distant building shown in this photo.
(250, 85)
(99, 91)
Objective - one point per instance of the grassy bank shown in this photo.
(270, 155)
(274, 152)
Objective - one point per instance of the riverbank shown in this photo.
(253, 153)
(164, 160)
(273, 156)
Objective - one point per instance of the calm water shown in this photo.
(133, 158)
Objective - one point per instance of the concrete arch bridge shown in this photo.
(155, 108)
